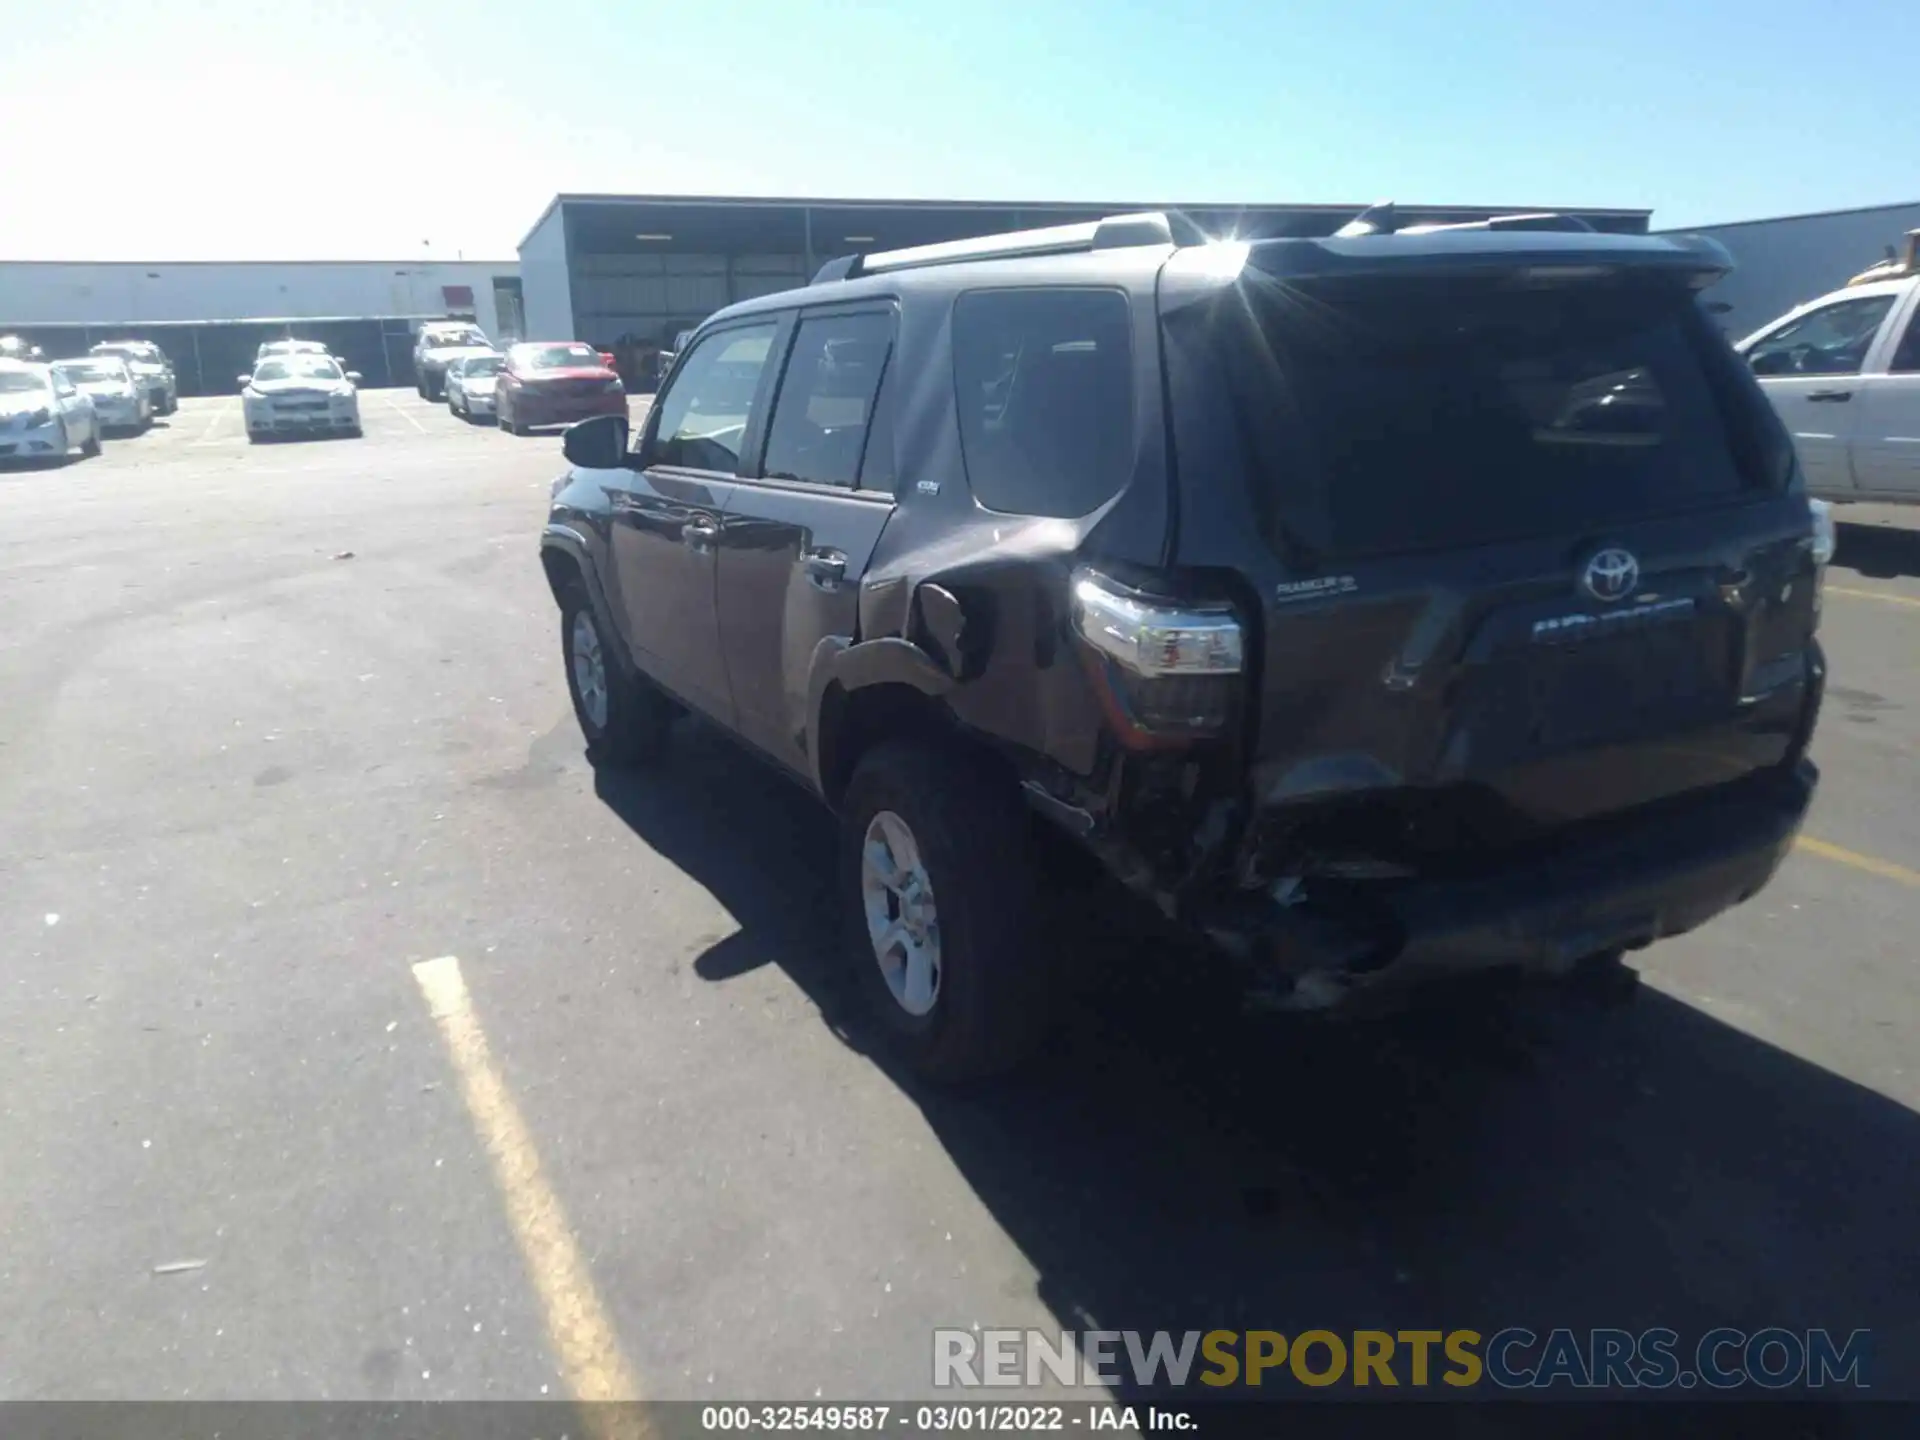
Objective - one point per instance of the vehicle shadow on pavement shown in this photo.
(1883, 552)
(1504, 1157)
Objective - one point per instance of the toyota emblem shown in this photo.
(1610, 575)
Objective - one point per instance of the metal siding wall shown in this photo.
(655, 294)
(546, 281)
(1784, 263)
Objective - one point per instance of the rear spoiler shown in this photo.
(1546, 254)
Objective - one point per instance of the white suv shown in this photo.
(1843, 372)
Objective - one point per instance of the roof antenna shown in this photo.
(1380, 218)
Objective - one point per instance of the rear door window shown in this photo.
(821, 420)
(1044, 385)
(706, 411)
(1394, 415)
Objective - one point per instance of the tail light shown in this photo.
(1167, 672)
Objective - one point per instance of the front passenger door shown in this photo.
(804, 522)
(666, 515)
(1810, 368)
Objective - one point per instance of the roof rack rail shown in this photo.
(1384, 219)
(1151, 227)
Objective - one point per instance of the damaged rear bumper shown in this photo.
(1634, 881)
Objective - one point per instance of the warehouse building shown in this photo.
(630, 271)
(1788, 260)
(210, 317)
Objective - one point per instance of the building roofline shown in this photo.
(1110, 207)
(12, 327)
(1808, 215)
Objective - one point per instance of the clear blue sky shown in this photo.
(275, 130)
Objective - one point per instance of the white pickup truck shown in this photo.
(1843, 372)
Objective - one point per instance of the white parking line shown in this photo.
(398, 411)
(212, 425)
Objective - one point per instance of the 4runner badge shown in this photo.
(1610, 575)
(1289, 590)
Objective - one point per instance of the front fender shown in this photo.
(562, 542)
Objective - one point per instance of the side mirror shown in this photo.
(1772, 362)
(355, 376)
(245, 380)
(596, 444)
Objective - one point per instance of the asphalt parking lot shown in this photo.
(285, 722)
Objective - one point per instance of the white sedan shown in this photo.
(1843, 372)
(471, 384)
(43, 415)
(119, 401)
(300, 395)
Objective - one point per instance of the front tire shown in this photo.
(624, 719)
(92, 448)
(936, 876)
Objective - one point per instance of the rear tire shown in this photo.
(969, 887)
(624, 719)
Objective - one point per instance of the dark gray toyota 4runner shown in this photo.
(1382, 605)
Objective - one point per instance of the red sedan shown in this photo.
(556, 382)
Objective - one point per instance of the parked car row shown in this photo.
(45, 414)
(529, 385)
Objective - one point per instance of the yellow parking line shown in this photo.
(1885, 869)
(582, 1336)
(1873, 595)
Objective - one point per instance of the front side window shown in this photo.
(1832, 340)
(706, 411)
(1044, 383)
(820, 421)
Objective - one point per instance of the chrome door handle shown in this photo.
(699, 533)
(826, 569)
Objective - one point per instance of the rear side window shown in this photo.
(825, 409)
(705, 413)
(1394, 415)
(1044, 383)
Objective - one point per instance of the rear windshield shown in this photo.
(87, 371)
(449, 339)
(1393, 415)
(20, 382)
(558, 357)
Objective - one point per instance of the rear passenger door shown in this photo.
(1886, 434)
(804, 520)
